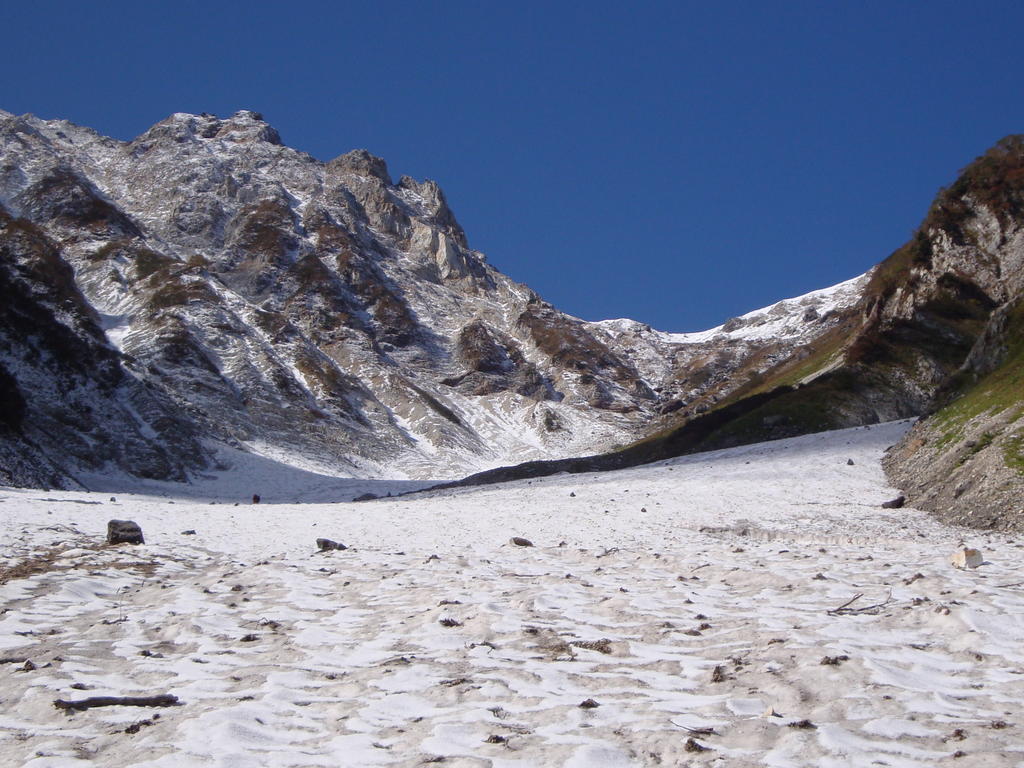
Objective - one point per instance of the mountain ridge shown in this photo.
(265, 297)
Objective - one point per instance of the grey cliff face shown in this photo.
(227, 289)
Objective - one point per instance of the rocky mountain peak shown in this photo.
(243, 126)
(246, 125)
(361, 163)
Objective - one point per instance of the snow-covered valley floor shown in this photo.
(659, 601)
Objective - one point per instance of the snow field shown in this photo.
(690, 594)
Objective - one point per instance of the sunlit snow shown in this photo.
(691, 594)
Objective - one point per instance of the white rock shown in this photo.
(966, 557)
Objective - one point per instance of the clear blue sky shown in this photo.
(676, 162)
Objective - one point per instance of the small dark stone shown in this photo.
(250, 638)
(896, 503)
(189, 532)
(124, 532)
(113, 498)
(572, 494)
(806, 724)
(519, 541)
(494, 738)
(849, 462)
(448, 621)
(28, 666)
(604, 645)
(588, 704)
(718, 675)
(137, 726)
(326, 545)
(834, 661)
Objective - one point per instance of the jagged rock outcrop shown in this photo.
(228, 289)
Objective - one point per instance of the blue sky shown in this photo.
(678, 163)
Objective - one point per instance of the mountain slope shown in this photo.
(66, 396)
(276, 303)
(965, 462)
(935, 329)
(920, 314)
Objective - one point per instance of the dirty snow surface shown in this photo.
(682, 613)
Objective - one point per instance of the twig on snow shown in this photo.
(708, 731)
(161, 700)
(848, 603)
(846, 610)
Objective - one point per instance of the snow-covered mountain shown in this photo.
(206, 284)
